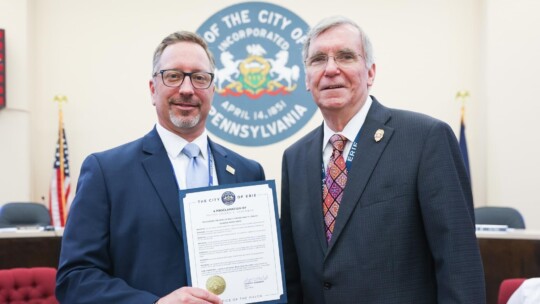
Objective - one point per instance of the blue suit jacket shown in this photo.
(405, 228)
(123, 239)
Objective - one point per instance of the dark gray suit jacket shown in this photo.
(405, 228)
(123, 239)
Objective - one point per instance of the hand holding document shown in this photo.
(232, 242)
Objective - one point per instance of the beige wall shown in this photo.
(98, 53)
(512, 106)
(15, 143)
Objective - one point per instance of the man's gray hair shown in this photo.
(182, 36)
(332, 22)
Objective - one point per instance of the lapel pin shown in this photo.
(378, 135)
(230, 169)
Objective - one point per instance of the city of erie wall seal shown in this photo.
(260, 95)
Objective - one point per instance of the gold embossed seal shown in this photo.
(216, 285)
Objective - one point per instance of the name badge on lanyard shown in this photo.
(210, 167)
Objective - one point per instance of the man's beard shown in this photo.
(184, 122)
(181, 121)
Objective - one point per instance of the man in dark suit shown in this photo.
(123, 239)
(382, 212)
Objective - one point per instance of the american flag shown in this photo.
(60, 182)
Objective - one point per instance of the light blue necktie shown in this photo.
(196, 173)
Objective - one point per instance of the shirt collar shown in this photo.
(174, 144)
(353, 126)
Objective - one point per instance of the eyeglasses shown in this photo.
(175, 78)
(342, 59)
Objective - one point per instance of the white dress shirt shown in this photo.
(350, 131)
(174, 145)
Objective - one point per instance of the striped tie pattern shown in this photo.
(334, 184)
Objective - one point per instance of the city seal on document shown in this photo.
(260, 93)
(228, 198)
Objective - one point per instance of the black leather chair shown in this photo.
(499, 216)
(24, 214)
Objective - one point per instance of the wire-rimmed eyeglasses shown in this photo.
(341, 58)
(175, 78)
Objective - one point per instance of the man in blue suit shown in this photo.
(123, 239)
(376, 204)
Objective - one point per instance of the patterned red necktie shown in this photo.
(334, 184)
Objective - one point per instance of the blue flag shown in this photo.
(463, 146)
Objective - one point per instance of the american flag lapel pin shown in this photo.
(230, 169)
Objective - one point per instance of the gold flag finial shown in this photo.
(462, 96)
(60, 99)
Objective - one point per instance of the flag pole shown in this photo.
(60, 100)
(462, 96)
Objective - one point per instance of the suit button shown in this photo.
(327, 285)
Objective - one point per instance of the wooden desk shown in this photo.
(513, 254)
(29, 249)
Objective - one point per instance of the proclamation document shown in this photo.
(232, 242)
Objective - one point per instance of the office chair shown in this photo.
(499, 216)
(507, 289)
(24, 214)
